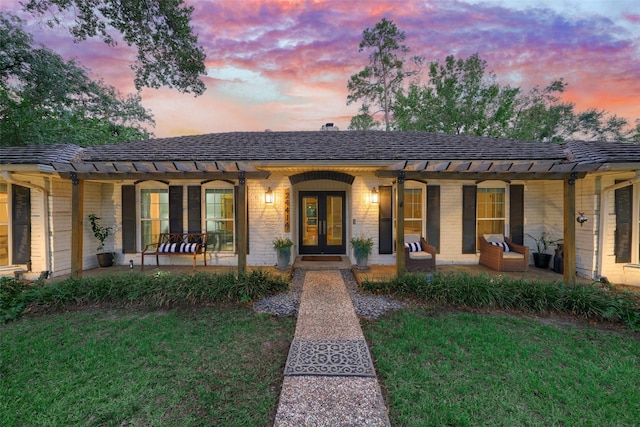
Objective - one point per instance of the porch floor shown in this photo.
(382, 272)
(374, 272)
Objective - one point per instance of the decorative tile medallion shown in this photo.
(329, 358)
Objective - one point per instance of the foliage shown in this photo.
(461, 97)
(458, 99)
(215, 365)
(444, 368)
(364, 120)
(158, 290)
(101, 233)
(543, 242)
(168, 51)
(45, 99)
(590, 301)
(362, 246)
(280, 243)
(377, 82)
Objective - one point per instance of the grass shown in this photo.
(455, 369)
(218, 365)
(154, 291)
(188, 352)
(588, 301)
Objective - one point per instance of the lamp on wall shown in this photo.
(268, 196)
(374, 195)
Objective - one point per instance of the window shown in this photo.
(219, 219)
(154, 214)
(413, 211)
(4, 225)
(491, 214)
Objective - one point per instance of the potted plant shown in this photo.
(540, 257)
(283, 247)
(105, 259)
(362, 247)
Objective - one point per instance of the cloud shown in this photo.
(285, 64)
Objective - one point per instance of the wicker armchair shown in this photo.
(424, 260)
(494, 257)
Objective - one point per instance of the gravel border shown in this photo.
(288, 303)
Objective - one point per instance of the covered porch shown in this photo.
(373, 273)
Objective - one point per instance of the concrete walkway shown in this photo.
(329, 378)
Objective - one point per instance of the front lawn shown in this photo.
(461, 369)
(219, 365)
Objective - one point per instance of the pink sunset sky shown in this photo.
(284, 64)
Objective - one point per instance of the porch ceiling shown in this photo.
(158, 170)
(487, 169)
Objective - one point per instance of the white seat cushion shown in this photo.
(512, 255)
(420, 255)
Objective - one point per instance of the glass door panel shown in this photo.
(322, 222)
(310, 221)
(335, 235)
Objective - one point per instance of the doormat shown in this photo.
(321, 258)
(343, 357)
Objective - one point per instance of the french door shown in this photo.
(322, 228)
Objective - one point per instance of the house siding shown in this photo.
(615, 272)
(543, 211)
(60, 227)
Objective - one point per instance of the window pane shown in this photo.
(491, 203)
(154, 214)
(491, 211)
(413, 227)
(219, 219)
(413, 211)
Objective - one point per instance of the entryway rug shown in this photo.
(321, 258)
(330, 358)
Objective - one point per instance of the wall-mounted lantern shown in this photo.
(374, 195)
(268, 196)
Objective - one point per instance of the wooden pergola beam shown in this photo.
(242, 224)
(569, 242)
(484, 176)
(143, 176)
(400, 264)
(77, 212)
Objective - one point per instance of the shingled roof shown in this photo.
(323, 146)
(417, 152)
(602, 152)
(39, 154)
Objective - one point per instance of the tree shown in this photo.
(378, 82)
(364, 120)
(539, 115)
(45, 99)
(168, 51)
(460, 97)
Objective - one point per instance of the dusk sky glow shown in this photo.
(284, 64)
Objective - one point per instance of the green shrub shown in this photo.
(157, 290)
(590, 301)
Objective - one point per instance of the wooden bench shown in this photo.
(191, 244)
